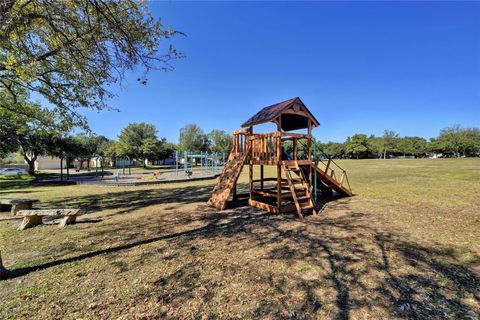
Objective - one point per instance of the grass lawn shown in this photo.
(406, 246)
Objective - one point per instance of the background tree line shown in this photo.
(32, 138)
(454, 141)
(44, 135)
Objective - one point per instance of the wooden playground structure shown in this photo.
(297, 178)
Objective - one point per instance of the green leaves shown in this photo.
(452, 141)
(458, 140)
(412, 146)
(220, 141)
(357, 145)
(69, 52)
(139, 140)
(331, 149)
(8, 137)
(193, 139)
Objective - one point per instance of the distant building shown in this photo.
(48, 163)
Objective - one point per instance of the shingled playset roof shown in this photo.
(289, 121)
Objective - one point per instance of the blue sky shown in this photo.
(360, 67)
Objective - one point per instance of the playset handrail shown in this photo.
(330, 161)
(328, 164)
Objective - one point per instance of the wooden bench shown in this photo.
(34, 217)
(16, 204)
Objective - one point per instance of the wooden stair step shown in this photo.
(293, 180)
(306, 207)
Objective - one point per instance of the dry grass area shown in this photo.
(406, 246)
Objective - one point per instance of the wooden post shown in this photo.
(30, 221)
(250, 176)
(341, 179)
(328, 165)
(262, 152)
(250, 167)
(310, 168)
(279, 170)
(261, 176)
(67, 220)
(309, 140)
(235, 137)
(295, 149)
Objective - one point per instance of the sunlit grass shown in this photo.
(159, 252)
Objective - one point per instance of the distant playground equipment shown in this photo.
(118, 171)
(210, 163)
(297, 180)
(122, 165)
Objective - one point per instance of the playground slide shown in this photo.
(227, 180)
(332, 183)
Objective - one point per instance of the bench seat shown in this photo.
(16, 204)
(34, 217)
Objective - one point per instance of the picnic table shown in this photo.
(16, 204)
(34, 217)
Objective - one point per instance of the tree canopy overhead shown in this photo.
(71, 51)
(8, 134)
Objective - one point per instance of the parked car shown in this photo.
(13, 171)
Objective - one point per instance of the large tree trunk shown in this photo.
(31, 163)
(31, 167)
(385, 154)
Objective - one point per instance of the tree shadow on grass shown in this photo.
(367, 269)
(14, 184)
(5, 193)
(127, 201)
